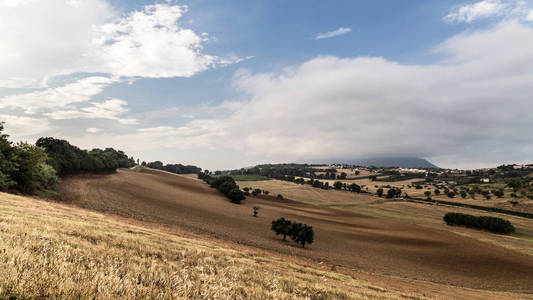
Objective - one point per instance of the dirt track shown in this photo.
(341, 238)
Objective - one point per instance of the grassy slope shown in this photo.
(57, 251)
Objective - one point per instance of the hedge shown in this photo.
(491, 224)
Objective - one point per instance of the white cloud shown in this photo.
(471, 107)
(52, 98)
(148, 43)
(506, 9)
(93, 130)
(42, 39)
(334, 33)
(111, 109)
(471, 12)
(20, 127)
(529, 16)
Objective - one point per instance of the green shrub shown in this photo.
(492, 224)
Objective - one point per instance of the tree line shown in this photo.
(173, 168)
(492, 224)
(34, 169)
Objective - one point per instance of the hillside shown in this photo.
(50, 250)
(348, 241)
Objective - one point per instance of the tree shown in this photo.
(302, 233)
(281, 226)
(427, 193)
(33, 174)
(7, 164)
(380, 192)
(437, 192)
(256, 210)
(463, 194)
(337, 185)
(354, 187)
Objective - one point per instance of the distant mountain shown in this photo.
(401, 162)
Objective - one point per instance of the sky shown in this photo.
(230, 84)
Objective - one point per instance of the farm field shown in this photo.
(54, 250)
(413, 213)
(505, 202)
(348, 241)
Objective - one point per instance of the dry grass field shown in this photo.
(50, 250)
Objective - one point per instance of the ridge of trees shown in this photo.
(226, 185)
(173, 168)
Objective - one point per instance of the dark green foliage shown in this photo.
(302, 233)
(281, 226)
(491, 224)
(68, 159)
(280, 196)
(174, 168)
(437, 192)
(256, 192)
(24, 168)
(226, 185)
(463, 194)
(337, 185)
(498, 193)
(450, 194)
(393, 193)
(427, 193)
(380, 192)
(354, 188)
(7, 163)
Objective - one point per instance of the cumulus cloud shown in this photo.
(42, 39)
(334, 33)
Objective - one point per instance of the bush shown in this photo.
(491, 224)
(380, 192)
(280, 196)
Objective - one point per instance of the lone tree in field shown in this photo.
(256, 210)
(281, 226)
(302, 234)
(337, 185)
(427, 194)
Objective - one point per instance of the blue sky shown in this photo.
(226, 84)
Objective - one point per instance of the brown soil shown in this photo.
(351, 241)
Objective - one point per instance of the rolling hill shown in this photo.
(401, 162)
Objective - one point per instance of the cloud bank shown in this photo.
(472, 108)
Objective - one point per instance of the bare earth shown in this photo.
(344, 239)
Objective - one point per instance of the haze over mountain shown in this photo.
(401, 162)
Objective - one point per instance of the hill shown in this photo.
(50, 250)
(401, 162)
(344, 240)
